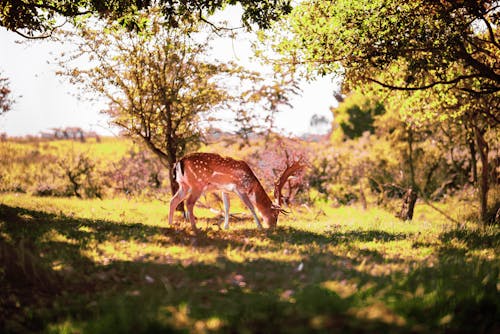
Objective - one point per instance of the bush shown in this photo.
(342, 195)
(82, 179)
(137, 173)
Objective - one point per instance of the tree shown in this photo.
(433, 42)
(355, 115)
(479, 118)
(476, 114)
(475, 118)
(6, 100)
(319, 124)
(38, 19)
(160, 83)
(450, 46)
(384, 144)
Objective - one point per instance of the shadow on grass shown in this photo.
(473, 239)
(263, 295)
(296, 236)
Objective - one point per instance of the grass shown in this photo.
(106, 148)
(99, 266)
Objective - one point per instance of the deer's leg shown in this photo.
(190, 202)
(225, 199)
(244, 197)
(179, 196)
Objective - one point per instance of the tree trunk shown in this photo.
(410, 157)
(483, 149)
(428, 178)
(473, 160)
(362, 196)
(409, 200)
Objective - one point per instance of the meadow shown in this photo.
(84, 242)
(100, 257)
(113, 265)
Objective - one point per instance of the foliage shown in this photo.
(257, 106)
(355, 115)
(462, 125)
(40, 19)
(158, 84)
(429, 42)
(114, 167)
(161, 85)
(372, 169)
(404, 150)
(437, 60)
(112, 264)
(68, 168)
(137, 174)
(79, 170)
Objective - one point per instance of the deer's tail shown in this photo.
(179, 170)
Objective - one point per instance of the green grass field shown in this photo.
(113, 265)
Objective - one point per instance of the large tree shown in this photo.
(162, 85)
(477, 116)
(433, 42)
(39, 18)
(451, 48)
(159, 86)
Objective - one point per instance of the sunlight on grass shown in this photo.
(380, 312)
(323, 268)
(343, 288)
(119, 210)
(66, 327)
(54, 236)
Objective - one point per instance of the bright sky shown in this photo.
(45, 101)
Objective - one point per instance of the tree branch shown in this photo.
(415, 88)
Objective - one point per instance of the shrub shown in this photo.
(137, 173)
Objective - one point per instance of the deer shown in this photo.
(197, 173)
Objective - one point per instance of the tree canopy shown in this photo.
(432, 42)
(158, 84)
(355, 115)
(162, 85)
(434, 60)
(38, 18)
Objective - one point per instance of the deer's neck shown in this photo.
(262, 201)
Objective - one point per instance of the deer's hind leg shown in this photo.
(178, 198)
(190, 202)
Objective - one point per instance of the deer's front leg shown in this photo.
(225, 200)
(244, 197)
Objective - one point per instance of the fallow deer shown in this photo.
(199, 172)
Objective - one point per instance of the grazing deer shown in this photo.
(199, 172)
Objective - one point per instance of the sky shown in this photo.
(44, 100)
